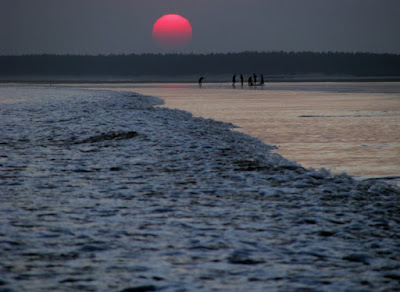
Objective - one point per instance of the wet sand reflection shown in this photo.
(351, 127)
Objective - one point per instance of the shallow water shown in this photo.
(344, 127)
(100, 191)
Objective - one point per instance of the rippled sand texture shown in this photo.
(99, 191)
(344, 127)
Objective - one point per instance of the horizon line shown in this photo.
(197, 54)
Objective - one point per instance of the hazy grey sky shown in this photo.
(124, 26)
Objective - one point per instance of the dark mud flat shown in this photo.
(102, 191)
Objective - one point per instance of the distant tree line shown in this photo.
(269, 63)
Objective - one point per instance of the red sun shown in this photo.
(172, 31)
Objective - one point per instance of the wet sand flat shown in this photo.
(350, 127)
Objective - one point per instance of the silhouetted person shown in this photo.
(262, 79)
(255, 78)
(201, 81)
(250, 81)
(241, 80)
(233, 80)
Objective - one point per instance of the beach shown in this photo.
(115, 191)
(347, 127)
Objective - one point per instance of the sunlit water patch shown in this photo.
(101, 191)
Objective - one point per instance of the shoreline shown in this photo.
(160, 92)
(309, 126)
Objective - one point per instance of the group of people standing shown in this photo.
(251, 81)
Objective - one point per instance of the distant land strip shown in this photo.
(366, 65)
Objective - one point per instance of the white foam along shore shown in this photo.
(126, 186)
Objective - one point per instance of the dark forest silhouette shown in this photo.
(270, 63)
